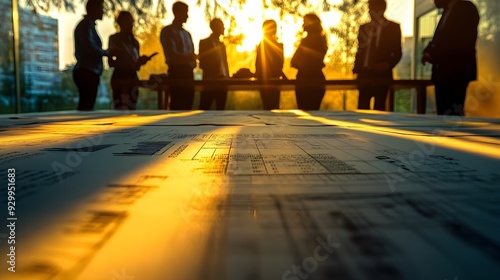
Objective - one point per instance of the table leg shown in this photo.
(161, 99)
(421, 99)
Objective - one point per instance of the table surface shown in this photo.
(251, 195)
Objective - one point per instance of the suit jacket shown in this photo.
(388, 49)
(453, 48)
(213, 58)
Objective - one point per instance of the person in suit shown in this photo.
(308, 60)
(89, 53)
(126, 63)
(269, 64)
(379, 50)
(452, 53)
(180, 57)
(213, 61)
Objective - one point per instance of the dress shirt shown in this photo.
(177, 46)
(375, 29)
(88, 47)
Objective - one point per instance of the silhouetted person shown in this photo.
(308, 59)
(88, 53)
(269, 64)
(452, 53)
(213, 61)
(379, 50)
(180, 57)
(126, 63)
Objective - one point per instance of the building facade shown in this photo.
(38, 59)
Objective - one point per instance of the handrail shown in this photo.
(161, 84)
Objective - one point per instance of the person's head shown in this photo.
(441, 3)
(217, 26)
(126, 21)
(312, 24)
(95, 9)
(180, 10)
(269, 28)
(377, 8)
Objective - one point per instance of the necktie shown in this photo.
(372, 40)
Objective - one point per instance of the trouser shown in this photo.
(181, 97)
(208, 96)
(309, 97)
(270, 99)
(366, 93)
(87, 83)
(450, 97)
(125, 89)
(379, 92)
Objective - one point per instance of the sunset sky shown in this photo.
(398, 10)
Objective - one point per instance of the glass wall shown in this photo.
(7, 75)
(483, 95)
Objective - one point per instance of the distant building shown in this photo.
(38, 53)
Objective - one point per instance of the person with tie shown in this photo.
(379, 50)
(452, 53)
(180, 57)
(213, 61)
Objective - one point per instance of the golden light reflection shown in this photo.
(46, 132)
(157, 207)
(484, 149)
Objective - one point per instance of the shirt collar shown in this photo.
(89, 19)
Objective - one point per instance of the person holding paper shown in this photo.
(126, 62)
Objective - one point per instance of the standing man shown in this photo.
(452, 53)
(213, 61)
(379, 50)
(88, 53)
(180, 57)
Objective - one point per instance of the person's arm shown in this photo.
(203, 54)
(91, 44)
(396, 50)
(298, 57)
(458, 37)
(359, 58)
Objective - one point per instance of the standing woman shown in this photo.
(126, 63)
(269, 64)
(308, 59)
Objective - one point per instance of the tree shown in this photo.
(354, 13)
